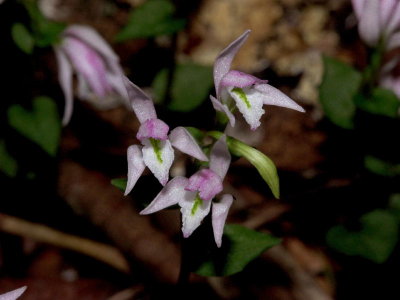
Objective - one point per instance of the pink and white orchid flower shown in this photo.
(248, 92)
(156, 151)
(378, 19)
(194, 195)
(13, 295)
(96, 65)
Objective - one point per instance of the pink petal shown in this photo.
(387, 7)
(13, 295)
(369, 24)
(219, 213)
(141, 103)
(223, 62)
(273, 96)
(136, 167)
(223, 108)
(89, 63)
(358, 6)
(153, 128)
(220, 158)
(394, 21)
(239, 79)
(65, 78)
(206, 182)
(182, 140)
(171, 194)
(393, 42)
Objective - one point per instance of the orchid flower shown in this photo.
(378, 19)
(96, 65)
(13, 295)
(248, 92)
(194, 195)
(156, 151)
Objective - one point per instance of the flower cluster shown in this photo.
(195, 195)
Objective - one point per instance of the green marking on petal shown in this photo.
(242, 96)
(197, 202)
(157, 149)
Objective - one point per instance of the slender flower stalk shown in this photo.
(13, 295)
(249, 94)
(83, 51)
(195, 194)
(156, 151)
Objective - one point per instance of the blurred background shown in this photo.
(67, 233)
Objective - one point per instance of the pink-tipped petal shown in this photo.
(158, 158)
(192, 213)
(224, 60)
(239, 79)
(220, 158)
(249, 104)
(171, 194)
(141, 103)
(369, 23)
(65, 78)
(153, 128)
(13, 295)
(219, 213)
(182, 140)
(92, 38)
(273, 96)
(136, 167)
(89, 63)
(223, 108)
(358, 6)
(206, 182)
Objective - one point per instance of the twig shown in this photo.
(41, 233)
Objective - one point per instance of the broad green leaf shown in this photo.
(382, 102)
(22, 38)
(41, 125)
(339, 85)
(8, 165)
(153, 18)
(239, 247)
(381, 167)
(264, 165)
(375, 241)
(191, 85)
(120, 183)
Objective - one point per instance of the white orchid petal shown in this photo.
(249, 105)
(272, 96)
(141, 103)
(65, 78)
(136, 167)
(193, 211)
(220, 158)
(224, 60)
(182, 140)
(223, 108)
(158, 158)
(13, 295)
(369, 23)
(169, 195)
(219, 214)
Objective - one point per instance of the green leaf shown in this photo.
(339, 85)
(41, 125)
(191, 85)
(239, 247)
(120, 183)
(8, 165)
(153, 18)
(382, 102)
(22, 38)
(264, 165)
(46, 32)
(375, 241)
(380, 167)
